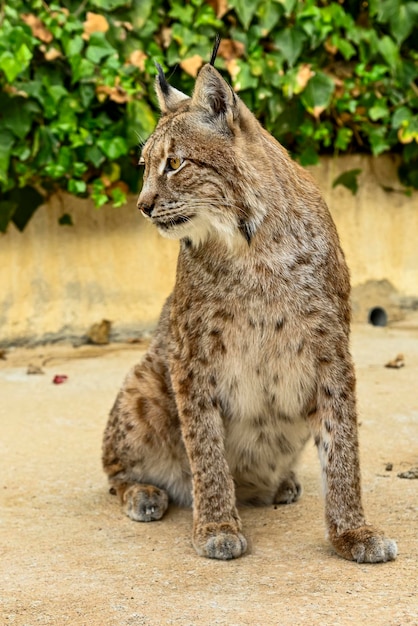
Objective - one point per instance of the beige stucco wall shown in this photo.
(55, 281)
(378, 229)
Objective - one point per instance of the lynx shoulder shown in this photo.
(251, 355)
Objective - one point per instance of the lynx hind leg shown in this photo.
(142, 503)
(143, 452)
(288, 491)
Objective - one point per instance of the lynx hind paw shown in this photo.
(219, 541)
(365, 545)
(145, 503)
(289, 491)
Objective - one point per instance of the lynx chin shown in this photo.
(251, 354)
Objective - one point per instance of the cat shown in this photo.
(251, 354)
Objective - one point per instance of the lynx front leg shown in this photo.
(334, 426)
(216, 524)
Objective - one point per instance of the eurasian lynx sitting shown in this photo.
(251, 353)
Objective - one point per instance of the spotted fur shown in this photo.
(251, 354)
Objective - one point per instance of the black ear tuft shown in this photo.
(215, 50)
(164, 86)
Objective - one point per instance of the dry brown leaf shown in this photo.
(192, 65)
(15, 92)
(316, 112)
(37, 27)
(52, 54)
(165, 36)
(126, 25)
(231, 49)
(105, 180)
(94, 23)
(115, 93)
(304, 75)
(344, 118)
(119, 184)
(397, 362)
(34, 370)
(99, 333)
(406, 136)
(138, 58)
(233, 69)
(329, 47)
(220, 7)
(60, 10)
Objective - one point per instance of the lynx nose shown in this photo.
(146, 208)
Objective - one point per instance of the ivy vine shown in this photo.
(76, 84)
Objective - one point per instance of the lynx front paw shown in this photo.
(144, 503)
(219, 541)
(365, 545)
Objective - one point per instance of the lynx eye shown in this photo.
(173, 163)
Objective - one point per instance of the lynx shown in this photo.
(251, 354)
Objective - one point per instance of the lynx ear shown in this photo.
(168, 97)
(214, 94)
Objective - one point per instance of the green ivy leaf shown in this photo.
(269, 13)
(378, 111)
(378, 140)
(389, 51)
(95, 156)
(98, 193)
(6, 143)
(245, 9)
(55, 170)
(401, 117)
(7, 209)
(17, 115)
(118, 197)
(401, 17)
(76, 186)
(344, 46)
(141, 121)
(290, 42)
(349, 180)
(244, 79)
(318, 92)
(288, 5)
(10, 66)
(113, 147)
(57, 92)
(82, 69)
(309, 156)
(73, 45)
(27, 201)
(343, 139)
(184, 14)
(110, 5)
(99, 48)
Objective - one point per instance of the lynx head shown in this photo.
(209, 170)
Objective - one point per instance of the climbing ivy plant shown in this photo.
(76, 84)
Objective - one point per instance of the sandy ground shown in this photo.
(69, 556)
